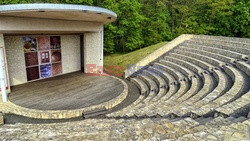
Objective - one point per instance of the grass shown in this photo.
(130, 58)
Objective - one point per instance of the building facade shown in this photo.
(38, 41)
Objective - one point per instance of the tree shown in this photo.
(111, 29)
(155, 25)
(145, 22)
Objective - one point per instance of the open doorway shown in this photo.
(82, 51)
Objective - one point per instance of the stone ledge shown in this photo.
(12, 108)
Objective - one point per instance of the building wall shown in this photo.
(35, 25)
(71, 54)
(92, 50)
(15, 59)
(70, 45)
(1, 40)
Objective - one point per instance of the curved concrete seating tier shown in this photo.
(190, 70)
(239, 49)
(208, 86)
(172, 88)
(200, 77)
(161, 83)
(236, 106)
(194, 103)
(196, 85)
(144, 90)
(228, 53)
(194, 68)
(215, 73)
(141, 85)
(185, 83)
(151, 109)
(211, 54)
(177, 74)
(190, 58)
(138, 111)
(236, 42)
(153, 91)
(239, 87)
(165, 75)
(244, 67)
(171, 62)
(207, 59)
(145, 105)
(222, 38)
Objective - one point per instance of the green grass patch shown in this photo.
(130, 58)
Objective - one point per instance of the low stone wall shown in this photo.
(159, 52)
(12, 108)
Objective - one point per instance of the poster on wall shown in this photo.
(30, 44)
(32, 73)
(31, 59)
(56, 68)
(56, 56)
(55, 42)
(43, 43)
(43, 57)
(45, 71)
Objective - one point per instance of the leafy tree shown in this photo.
(145, 22)
(86, 2)
(111, 29)
(155, 25)
(14, 1)
(129, 35)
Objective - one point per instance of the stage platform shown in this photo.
(66, 92)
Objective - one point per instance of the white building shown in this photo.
(38, 41)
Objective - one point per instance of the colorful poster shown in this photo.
(44, 57)
(55, 42)
(32, 73)
(56, 56)
(31, 59)
(56, 68)
(30, 44)
(45, 71)
(43, 43)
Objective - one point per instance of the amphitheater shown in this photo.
(196, 87)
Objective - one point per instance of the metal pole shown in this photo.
(2, 77)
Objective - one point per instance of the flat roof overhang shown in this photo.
(59, 12)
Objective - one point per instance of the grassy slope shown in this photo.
(130, 58)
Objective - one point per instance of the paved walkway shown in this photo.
(147, 129)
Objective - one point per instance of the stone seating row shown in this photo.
(195, 79)
(235, 42)
(215, 44)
